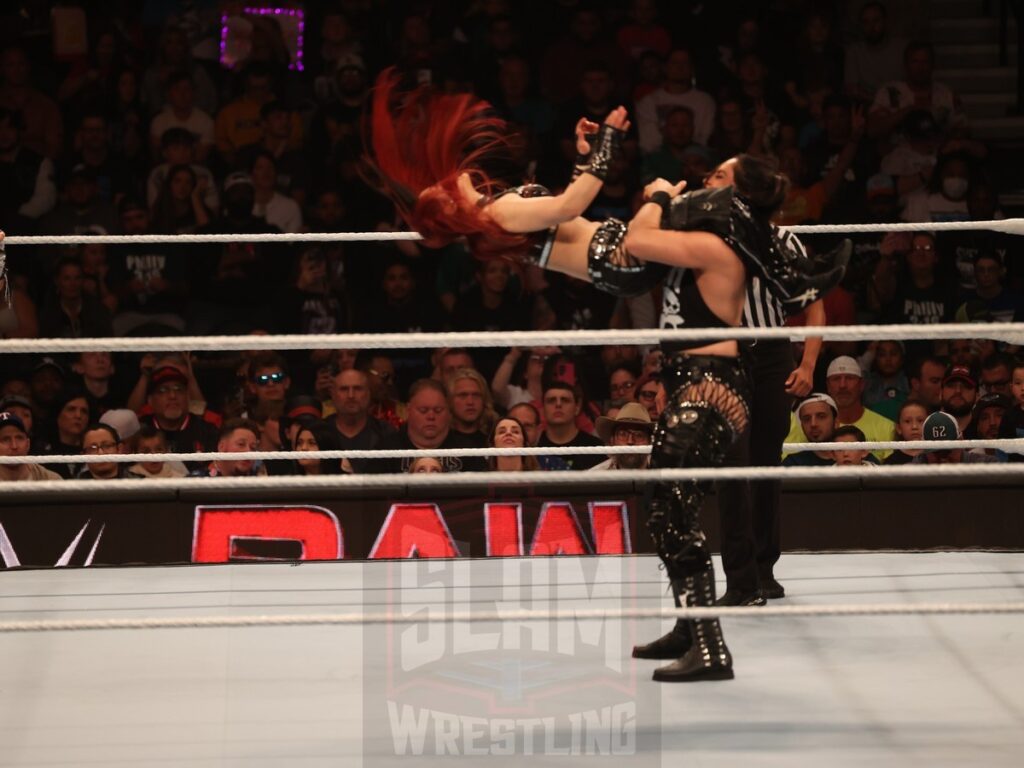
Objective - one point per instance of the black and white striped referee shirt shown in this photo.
(761, 308)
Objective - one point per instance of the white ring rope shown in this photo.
(1009, 445)
(1012, 333)
(1009, 226)
(571, 614)
(487, 479)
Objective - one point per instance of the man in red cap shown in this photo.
(959, 393)
(167, 395)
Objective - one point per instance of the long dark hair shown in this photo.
(326, 440)
(759, 182)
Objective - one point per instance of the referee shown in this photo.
(749, 510)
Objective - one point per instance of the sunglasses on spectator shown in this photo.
(266, 379)
(623, 386)
(647, 394)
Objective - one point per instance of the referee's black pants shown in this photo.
(749, 510)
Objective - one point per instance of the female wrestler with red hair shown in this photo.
(430, 152)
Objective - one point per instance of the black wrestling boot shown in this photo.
(803, 290)
(708, 657)
(673, 644)
(735, 597)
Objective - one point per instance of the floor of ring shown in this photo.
(892, 691)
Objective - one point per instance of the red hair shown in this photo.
(420, 142)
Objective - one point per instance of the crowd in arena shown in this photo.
(149, 131)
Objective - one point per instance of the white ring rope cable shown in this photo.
(1012, 333)
(568, 614)
(1009, 226)
(1012, 445)
(487, 479)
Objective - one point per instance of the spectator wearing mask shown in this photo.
(943, 426)
(853, 457)
(631, 426)
(508, 432)
(959, 393)
(909, 426)
(945, 198)
(817, 416)
(561, 406)
(15, 441)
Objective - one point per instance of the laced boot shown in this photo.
(708, 657)
(673, 644)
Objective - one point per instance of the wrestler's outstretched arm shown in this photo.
(531, 214)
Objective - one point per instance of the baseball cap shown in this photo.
(817, 397)
(844, 365)
(959, 372)
(940, 426)
(880, 184)
(165, 375)
(123, 420)
(236, 179)
(49, 362)
(8, 400)
(8, 419)
(989, 400)
(631, 415)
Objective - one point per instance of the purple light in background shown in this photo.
(297, 13)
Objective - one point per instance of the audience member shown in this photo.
(1012, 425)
(909, 426)
(943, 426)
(845, 385)
(959, 393)
(631, 426)
(428, 427)
(529, 417)
(15, 441)
(986, 421)
(561, 405)
(816, 414)
(996, 374)
(855, 456)
(278, 209)
(178, 147)
(990, 301)
(316, 437)
(886, 385)
(153, 440)
(677, 90)
(181, 112)
(103, 439)
(43, 125)
(167, 396)
(236, 436)
(876, 58)
(470, 402)
(126, 423)
(508, 432)
(28, 190)
(926, 381)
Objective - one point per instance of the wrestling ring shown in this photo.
(889, 657)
